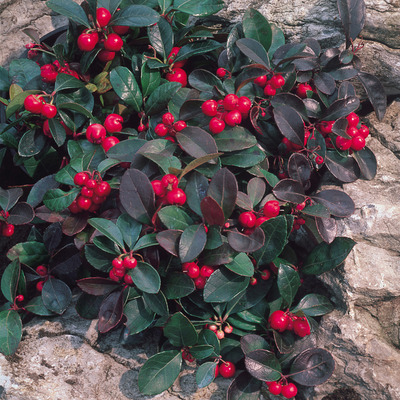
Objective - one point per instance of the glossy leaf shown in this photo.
(124, 83)
(56, 295)
(109, 229)
(263, 365)
(327, 228)
(256, 26)
(289, 190)
(196, 142)
(22, 213)
(8, 198)
(289, 123)
(299, 168)
(10, 331)
(160, 97)
(9, 280)
(37, 307)
(314, 305)
(288, 283)
(254, 50)
(212, 212)
(192, 242)
(180, 331)
(341, 108)
(246, 243)
(252, 342)
(111, 311)
(135, 16)
(205, 81)
(343, 168)
(367, 163)
(241, 265)
(337, 202)
(205, 374)
(196, 190)
(30, 253)
(174, 217)
(156, 302)
(129, 228)
(161, 37)
(97, 286)
(169, 240)
(58, 200)
(177, 285)
(145, 277)
(197, 48)
(352, 13)
(325, 257)
(138, 316)
(221, 255)
(69, 9)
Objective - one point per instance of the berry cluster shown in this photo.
(97, 133)
(93, 193)
(231, 111)
(198, 274)
(287, 390)
(176, 73)
(285, 321)
(167, 191)
(6, 229)
(37, 105)
(270, 85)
(111, 41)
(168, 128)
(265, 274)
(42, 271)
(49, 72)
(120, 265)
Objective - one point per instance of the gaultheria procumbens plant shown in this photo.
(174, 169)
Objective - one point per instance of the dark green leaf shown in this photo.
(160, 97)
(221, 255)
(244, 387)
(148, 240)
(129, 228)
(288, 283)
(29, 253)
(65, 81)
(256, 190)
(126, 149)
(88, 306)
(10, 331)
(159, 372)
(97, 286)
(180, 331)
(124, 83)
(146, 278)
(177, 285)
(169, 240)
(196, 142)
(31, 143)
(23, 71)
(337, 202)
(246, 243)
(314, 305)
(253, 342)
(161, 37)
(245, 158)
(205, 81)
(241, 265)
(56, 295)
(366, 161)
(174, 217)
(324, 257)
(341, 108)
(205, 374)
(343, 168)
(290, 123)
(263, 365)
(70, 9)
(256, 27)
(201, 351)
(138, 316)
(8, 198)
(150, 79)
(197, 8)
(197, 48)
(352, 13)
(192, 242)
(234, 139)
(58, 200)
(254, 50)
(98, 258)
(196, 190)
(109, 229)
(37, 307)
(156, 302)
(135, 16)
(9, 280)
(375, 91)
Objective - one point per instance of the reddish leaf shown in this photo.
(212, 212)
(111, 311)
(97, 286)
(169, 241)
(327, 228)
(246, 243)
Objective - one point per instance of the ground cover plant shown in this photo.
(170, 170)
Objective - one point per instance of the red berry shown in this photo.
(301, 327)
(159, 188)
(19, 298)
(95, 133)
(231, 102)
(271, 208)
(179, 126)
(244, 105)
(319, 160)
(87, 192)
(343, 143)
(103, 17)
(128, 279)
(170, 181)
(87, 41)
(275, 388)
(49, 111)
(265, 274)
(193, 270)
(302, 90)
(301, 206)
(279, 320)
(7, 230)
(216, 371)
(353, 119)
(261, 220)
(212, 327)
(39, 286)
(206, 271)
(220, 335)
(290, 325)
(41, 270)
(247, 219)
(112, 275)
(84, 203)
(48, 73)
(98, 199)
(269, 90)
(168, 119)
(227, 369)
(352, 131)
(261, 81)
(289, 391)
(173, 54)
(81, 178)
(91, 183)
(74, 208)
(120, 29)
(176, 196)
(210, 108)
(109, 142)
(113, 42)
(233, 118)
(200, 282)
(357, 143)
(119, 272)
(105, 55)
(117, 263)
(141, 127)
(34, 104)
(277, 81)
(363, 131)
(113, 123)
(216, 126)
(161, 130)
(177, 75)
(325, 127)
(228, 329)
(130, 262)
(102, 189)
(253, 281)
(221, 72)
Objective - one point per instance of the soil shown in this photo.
(343, 394)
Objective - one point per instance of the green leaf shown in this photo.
(146, 278)
(205, 81)
(288, 283)
(31, 143)
(205, 374)
(109, 229)
(23, 71)
(263, 365)
(130, 229)
(135, 16)
(254, 50)
(9, 280)
(150, 79)
(234, 139)
(10, 331)
(223, 285)
(98, 258)
(210, 338)
(201, 351)
(197, 48)
(161, 37)
(56, 295)
(57, 131)
(324, 257)
(241, 265)
(197, 142)
(125, 150)
(156, 302)
(124, 83)
(4, 79)
(37, 307)
(192, 242)
(177, 285)
(314, 305)
(253, 342)
(180, 331)
(110, 5)
(148, 240)
(244, 387)
(65, 81)
(160, 97)
(29, 253)
(255, 26)
(174, 217)
(198, 8)
(245, 158)
(138, 316)
(58, 200)
(159, 372)
(275, 230)
(196, 190)
(70, 9)
(8, 198)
